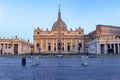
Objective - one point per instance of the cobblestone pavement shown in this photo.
(66, 68)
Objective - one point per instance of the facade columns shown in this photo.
(76, 45)
(71, 45)
(53, 45)
(41, 45)
(50, 41)
(35, 48)
(83, 45)
(56, 45)
(64, 44)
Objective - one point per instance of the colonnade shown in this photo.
(14, 48)
(110, 48)
(6, 48)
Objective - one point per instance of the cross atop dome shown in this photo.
(59, 23)
(59, 7)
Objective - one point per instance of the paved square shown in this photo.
(65, 68)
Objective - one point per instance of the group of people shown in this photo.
(34, 60)
(84, 60)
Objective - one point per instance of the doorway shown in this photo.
(16, 48)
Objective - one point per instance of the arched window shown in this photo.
(38, 33)
(38, 45)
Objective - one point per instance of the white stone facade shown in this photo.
(104, 40)
(14, 46)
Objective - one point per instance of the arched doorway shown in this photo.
(59, 46)
(79, 46)
(68, 47)
(49, 47)
(38, 47)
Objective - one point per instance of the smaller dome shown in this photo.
(63, 25)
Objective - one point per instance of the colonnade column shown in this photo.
(3, 51)
(83, 45)
(106, 49)
(19, 48)
(98, 48)
(12, 49)
(0, 48)
(118, 48)
(56, 45)
(46, 45)
(110, 46)
(114, 49)
(5, 48)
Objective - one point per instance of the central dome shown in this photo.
(59, 23)
(63, 25)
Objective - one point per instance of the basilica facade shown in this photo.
(59, 38)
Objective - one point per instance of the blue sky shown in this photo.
(20, 17)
